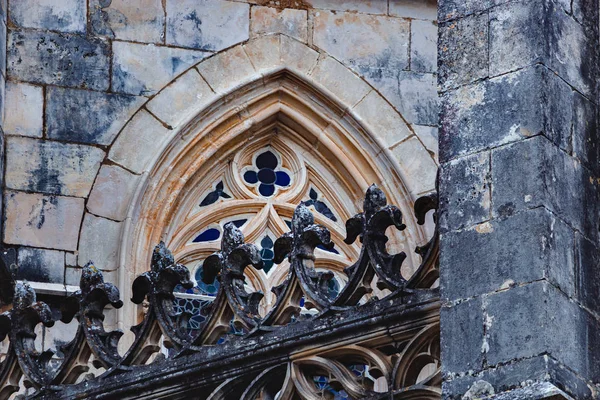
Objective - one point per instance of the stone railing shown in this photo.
(349, 348)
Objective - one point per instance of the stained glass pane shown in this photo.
(208, 235)
(207, 289)
(267, 176)
(266, 160)
(283, 179)
(266, 190)
(251, 177)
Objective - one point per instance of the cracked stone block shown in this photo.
(376, 40)
(264, 52)
(423, 46)
(33, 219)
(145, 69)
(58, 59)
(465, 192)
(483, 260)
(418, 9)
(112, 192)
(23, 110)
(429, 136)
(361, 6)
(207, 24)
(266, 20)
(534, 173)
(340, 81)
(55, 15)
(51, 167)
(140, 20)
(227, 69)
(100, 242)
(139, 142)
(451, 9)
(41, 265)
(296, 56)
(84, 116)
(463, 51)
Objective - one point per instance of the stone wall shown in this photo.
(519, 196)
(79, 71)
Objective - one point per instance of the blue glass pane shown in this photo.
(266, 243)
(283, 179)
(251, 177)
(266, 190)
(213, 196)
(208, 235)
(239, 222)
(332, 250)
(313, 194)
(207, 289)
(266, 160)
(302, 302)
(267, 265)
(288, 223)
(267, 176)
(333, 288)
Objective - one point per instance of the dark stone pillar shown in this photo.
(519, 215)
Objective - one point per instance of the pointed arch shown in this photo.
(233, 102)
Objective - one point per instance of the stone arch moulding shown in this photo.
(235, 99)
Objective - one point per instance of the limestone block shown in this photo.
(207, 24)
(85, 116)
(371, 6)
(38, 220)
(375, 40)
(416, 164)
(100, 242)
(463, 51)
(264, 52)
(112, 192)
(58, 59)
(145, 69)
(228, 69)
(385, 122)
(423, 46)
(288, 21)
(55, 15)
(23, 110)
(40, 265)
(297, 56)
(72, 276)
(51, 167)
(182, 99)
(338, 79)
(70, 259)
(140, 20)
(471, 201)
(429, 136)
(3, 35)
(418, 9)
(139, 142)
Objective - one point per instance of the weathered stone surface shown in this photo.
(429, 136)
(338, 79)
(207, 24)
(73, 276)
(182, 99)
(465, 198)
(51, 167)
(451, 9)
(24, 109)
(264, 52)
(139, 142)
(87, 117)
(419, 9)
(463, 51)
(61, 15)
(588, 283)
(227, 70)
(423, 46)
(265, 20)
(42, 221)
(464, 327)
(58, 59)
(535, 173)
(585, 132)
(40, 265)
(112, 192)
(538, 327)
(100, 242)
(371, 6)
(416, 165)
(376, 40)
(483, 260)
(140, 20)
(384, 122)
(296, 56)
(145, 69)
(525, 103)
